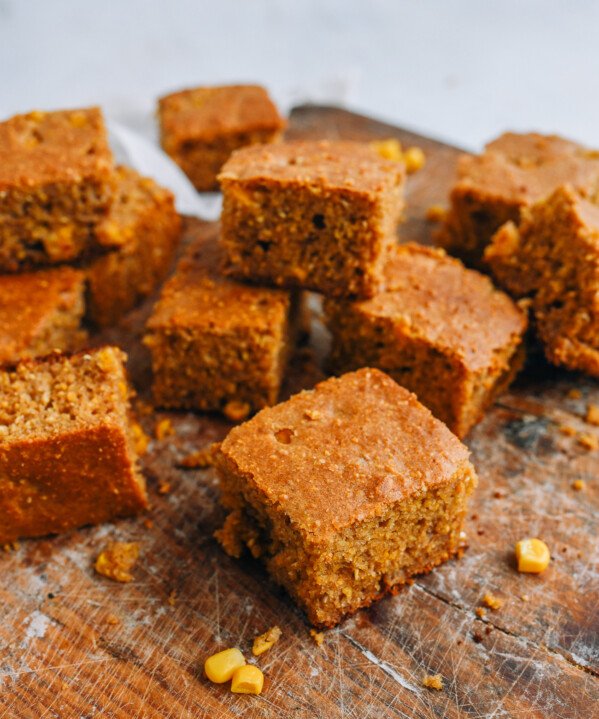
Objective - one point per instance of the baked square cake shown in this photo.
(344, 492)
(317, 215)
(67, 455)
(513, 171)
(440, 330)
(215, 341)
(41, 312)
(144, 223)
(200, 128)
(552, 256)
(55, 185)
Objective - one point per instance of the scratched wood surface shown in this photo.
(75, 645)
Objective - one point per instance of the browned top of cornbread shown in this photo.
(53, 147)
(133, 194)
(198, 297)
(347, 165)
(45, 396)
(27, 300)
(335, 455)
(524, 167)
(432, 296)
(203, 113)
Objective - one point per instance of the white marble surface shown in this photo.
(457, 69)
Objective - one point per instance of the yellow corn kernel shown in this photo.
(247, 680)
(265, 641)
(532, 555)
(414, 158)
(222, 666)
(389, 149)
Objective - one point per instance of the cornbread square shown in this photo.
(55, 185)
(440, 330)
(514, 171)
(144, 223)
(215, 341)
(552, 257)
(344, 492)
(200, 128)
(317, 215)
(67, 455)
(41, 312)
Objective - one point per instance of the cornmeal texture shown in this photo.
(215, 341)
(144, 224)
(344, 492)
(67, 454)
(317, 215)
(41, 312)
(56, 174)
(513, 172)
(201, 127)
(552, 257)
(440, 330)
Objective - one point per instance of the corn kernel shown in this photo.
(389, 149)
(532, 555)
(414, 159)
(265, 641)
(222, 666)
(247, 680)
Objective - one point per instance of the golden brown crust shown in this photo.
(316, 215)
(67, 455)
(514, 171)
(355, 444)
(40, 312)
(215, 341)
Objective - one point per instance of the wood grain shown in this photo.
(62, 656)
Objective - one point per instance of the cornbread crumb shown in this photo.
(567, 430)
(574, 394)
(589, 441)
(436, 213)
(164, 428)
(492, 601)
(579, 485)
(318, 637)
(264, 642)
(525, 597)
(200, 459)
(140, 438)
(148, 523)
(112, 619)
(593, 414)
(433, 681)
(172, 598)
(415, 159)
(116, 561)
(10, 546)
(481, 612)
(164, 487)
(236, 411)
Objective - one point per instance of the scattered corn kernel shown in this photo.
(116, 561)
(532, 555)
(435, 213)
(492, 601)
(236, 411)
(164, 428)
(317, 636)
(220, 667)
(588, 441)
(433, 681)
(593, 414)
(579, 485)
(414, 158)
(389, 149)
(247, 680)
(481, 612)
(265, 641)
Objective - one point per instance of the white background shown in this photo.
(462, 70)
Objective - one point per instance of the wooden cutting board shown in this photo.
(75, 645)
